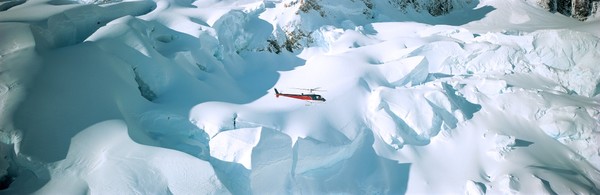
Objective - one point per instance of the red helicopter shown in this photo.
(302, 96)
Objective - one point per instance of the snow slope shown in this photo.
(176, 97)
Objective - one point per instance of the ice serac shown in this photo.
(236, 145)
(271, 163)
(18, 60)
(15, 37)
(339, 168)
(75, 25)
(572, 59)
(264, 153)
(101, 154)
(18, 48)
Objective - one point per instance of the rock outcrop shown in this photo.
(579, 9)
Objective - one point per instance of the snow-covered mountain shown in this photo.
(177, 97)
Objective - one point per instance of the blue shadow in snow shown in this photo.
(10, 4)
(460, 102)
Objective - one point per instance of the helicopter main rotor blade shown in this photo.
(310, 90)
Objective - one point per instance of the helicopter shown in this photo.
(302, 96)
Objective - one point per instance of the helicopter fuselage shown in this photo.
(302, 96)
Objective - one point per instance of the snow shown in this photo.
(176, 97)
(101, 154)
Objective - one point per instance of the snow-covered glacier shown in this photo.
(177, 97)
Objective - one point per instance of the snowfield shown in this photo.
(177, 97)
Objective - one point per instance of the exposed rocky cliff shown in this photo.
(433, 7)
(579, 9)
